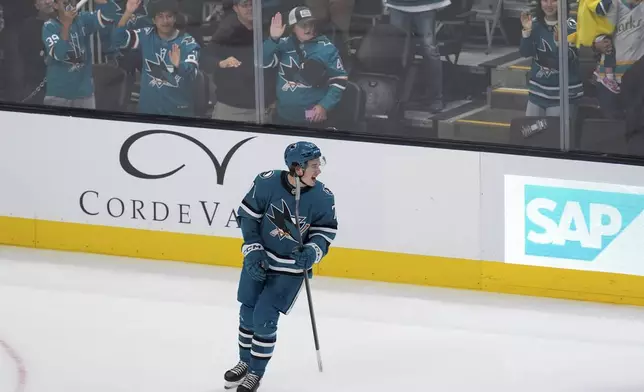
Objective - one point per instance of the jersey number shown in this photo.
(51, 40)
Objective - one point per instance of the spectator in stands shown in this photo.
(540, 41)
(112, 54)
(421, 15)
(633, 103)
(230, 55)
(67, 41)
(170, 59)
(27, 55)
(13, 13)
(593, 27)
(336, 11)
(311, 75)
(628, 45)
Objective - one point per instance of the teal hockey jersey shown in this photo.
(267, 218)
(544, 90)
(69, 62)
(165, 89)
(138, 21)
(294, 94)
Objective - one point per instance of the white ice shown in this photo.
(88, 323)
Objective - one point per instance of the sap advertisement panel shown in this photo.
(191, 180)
(574, 224)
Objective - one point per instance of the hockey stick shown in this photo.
(306, 273)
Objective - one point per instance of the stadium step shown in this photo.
(509, 98)
(484, 125)
(514, 74)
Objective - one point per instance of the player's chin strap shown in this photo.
(298, 178)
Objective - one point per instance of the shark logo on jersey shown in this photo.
(284, 222)
(134, 18)
(188, 40)
(546, 50)
(75, 55)
(161, 72)
(132, 21)
(289, 73)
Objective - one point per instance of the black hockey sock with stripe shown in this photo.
(261, 352)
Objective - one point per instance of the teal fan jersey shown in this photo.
(69, 62)
(544, 89)
(165, 89)
(294, 94)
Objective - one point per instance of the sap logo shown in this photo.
(604, 221)
(575, 224)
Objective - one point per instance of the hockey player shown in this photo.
(540, 42)
(274, 263)
(68, 58)
(311, 75)
(170, 59)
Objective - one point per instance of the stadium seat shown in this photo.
(371, 10)
(382, 68)
(603, 135)
(110, 86)
(452, 28)
(587, 107)
(201, 95)
(349, 114)
(491, 12)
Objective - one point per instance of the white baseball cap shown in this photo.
(299, 14)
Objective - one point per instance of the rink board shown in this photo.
(419, 215)
(341, 262)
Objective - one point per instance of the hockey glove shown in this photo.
(305, 257)
(255, 262)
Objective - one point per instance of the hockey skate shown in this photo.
(235, 376)
(250, 384)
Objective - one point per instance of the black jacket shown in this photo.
(632, 99)
(235, 86)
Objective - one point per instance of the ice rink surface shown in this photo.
(87, 323)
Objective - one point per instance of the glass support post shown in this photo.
(564, 98)
(258, 45)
